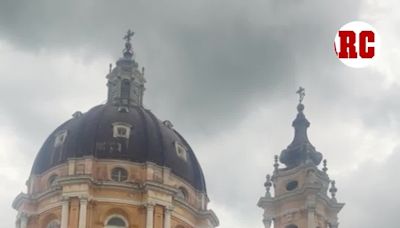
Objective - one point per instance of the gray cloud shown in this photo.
(373, 197)
(209, 58)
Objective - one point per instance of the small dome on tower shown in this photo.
(300, 150)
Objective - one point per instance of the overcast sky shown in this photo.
(225, 73)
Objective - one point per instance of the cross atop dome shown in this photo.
(128, 52)
(302, 93)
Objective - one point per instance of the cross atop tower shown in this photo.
(296, 195)
(129, 35)
(302, 93)
(128, 52)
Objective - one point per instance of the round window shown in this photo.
(292, 185)
(119, 174)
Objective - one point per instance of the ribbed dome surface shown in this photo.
(91, 134)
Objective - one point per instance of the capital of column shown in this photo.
(169, 209)
(150, 205)
(83, 199)
(65, 199)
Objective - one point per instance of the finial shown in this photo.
(325, 169)
(333, 190)
(276, 163)
(268, 185)
(302, 93)
(168, 124)
(77, 114)
(128, 52)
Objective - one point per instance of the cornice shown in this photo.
(303, 193)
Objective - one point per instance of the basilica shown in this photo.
(119, 166)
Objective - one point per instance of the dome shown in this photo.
(122, 129)
(149, 140)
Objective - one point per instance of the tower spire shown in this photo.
(297, 195)
(300, 150)
(125, 80)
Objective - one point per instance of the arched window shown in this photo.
(181, 151)
(60, 138)
(53, 224)
(52, 180)
(183, 193)
(119, 174)
(125, 89)
(116, 221)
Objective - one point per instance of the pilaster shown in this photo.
(149, 215)
(83, 212)
(65, 213)
(167, 217)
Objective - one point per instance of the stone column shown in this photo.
(167, 217)
(64, 213)
(82, 212)
(311, 217)
(150, 215)
(23, 220)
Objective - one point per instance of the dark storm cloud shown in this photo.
(207, 61)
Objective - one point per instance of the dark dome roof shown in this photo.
(91, 134)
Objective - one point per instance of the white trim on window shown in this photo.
(181, 151)
(52, 180)
(60, 138)
(121, 130)
(119, 174)
(116, 216)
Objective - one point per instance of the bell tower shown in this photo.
(297, 194)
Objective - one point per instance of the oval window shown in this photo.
(292, 185)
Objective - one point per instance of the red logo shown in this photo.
(356, 44)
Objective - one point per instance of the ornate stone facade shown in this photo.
(84, 194)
